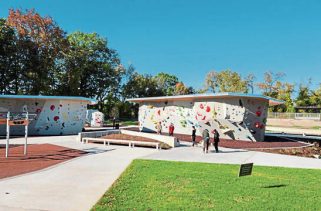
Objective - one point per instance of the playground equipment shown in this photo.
(15, 119)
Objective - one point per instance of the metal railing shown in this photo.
(305, 116)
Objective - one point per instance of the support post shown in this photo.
(8, 134)
(26, 134)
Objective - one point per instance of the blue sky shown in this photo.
(189, 38)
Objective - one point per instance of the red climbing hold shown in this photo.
(204, 117)
(257, 125)
(38, 110)
(201, 106)
(56, 118)
(208, 109)
(158, 112)
(52, 107)
(258, 113)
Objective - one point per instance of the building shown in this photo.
(52, 115)
(236, 116)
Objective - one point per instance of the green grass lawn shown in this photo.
(165, 185)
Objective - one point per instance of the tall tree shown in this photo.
(8, 59)
(166, 83)
(40, 40)
(90, 68)
(273, 86)
(225, 81)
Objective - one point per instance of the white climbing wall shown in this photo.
(237, 118)
(54, 117)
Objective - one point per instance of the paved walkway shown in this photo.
(74, 185)
(78, 184)
(234, 156)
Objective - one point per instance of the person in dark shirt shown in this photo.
(216, 140)
(193, 135)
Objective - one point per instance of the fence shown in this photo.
(306, 116)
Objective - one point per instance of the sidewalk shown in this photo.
(75, 185)
(234, 156)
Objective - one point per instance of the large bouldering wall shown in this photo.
(53, 117)
(234, 118)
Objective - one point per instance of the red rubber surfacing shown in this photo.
(39, 156)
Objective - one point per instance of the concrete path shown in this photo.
(234, 156)
(74, 185)
(79, 183)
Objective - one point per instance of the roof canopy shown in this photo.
(207, 96)
(43, 97)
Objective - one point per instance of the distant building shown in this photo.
(236, 116)
(53, 115)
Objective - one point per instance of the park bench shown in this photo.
(117, 141)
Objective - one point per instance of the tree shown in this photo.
(166, 83)
(8, 58)
(181, 89)
(225, 81)
(271, 83)
(90, 68)
(273, 86)
(141, 86)
(40, 41)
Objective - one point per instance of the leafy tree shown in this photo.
(40, 41)
(225, 81)
(90, 68)
(8, 59)
(271, 84)
(166, 83)
(141, 86)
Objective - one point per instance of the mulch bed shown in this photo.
(302, 152)
(235, 144)
(39, 156)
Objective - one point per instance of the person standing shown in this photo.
(216, 140)
(114, 122)
(159, 128)
(193, 135)
(171, 129)
(206, 140)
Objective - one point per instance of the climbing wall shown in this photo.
(54, 117)
(234, 118)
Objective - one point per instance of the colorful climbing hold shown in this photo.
(52, 107)
(56, 118)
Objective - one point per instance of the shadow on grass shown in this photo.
(275, 186)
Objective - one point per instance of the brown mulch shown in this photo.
(39, 156)
(302, 152)
(236, 144)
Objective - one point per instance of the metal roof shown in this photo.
(272, 101)
(44, 97)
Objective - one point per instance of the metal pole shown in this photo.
(26, 134)
(8, 134)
